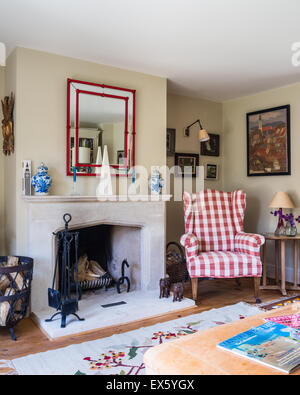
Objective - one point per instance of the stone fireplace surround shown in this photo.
(141, 220)
(44, 216)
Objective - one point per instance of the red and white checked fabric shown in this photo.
(191, 244)
(188, 213)
(213, 220)
(215, 243)
(248, 243)
(239, 207)
(224, 264)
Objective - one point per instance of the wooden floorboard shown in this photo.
(211, 294)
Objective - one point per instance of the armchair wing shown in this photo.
(248, 243)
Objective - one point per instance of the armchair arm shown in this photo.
(248, 243)
(191, 244)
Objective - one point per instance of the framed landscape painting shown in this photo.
(268, 142)
(211, 171)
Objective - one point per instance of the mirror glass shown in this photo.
(99, 116)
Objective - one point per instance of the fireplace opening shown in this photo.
(101, 251)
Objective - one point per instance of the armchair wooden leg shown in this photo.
(256, 289)
(195, 288)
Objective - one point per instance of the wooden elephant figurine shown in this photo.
(164, 285)
(178, 292)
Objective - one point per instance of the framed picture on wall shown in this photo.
(187, 163)
(212, 146)
(121, 157)
(268, 142)
(211, 171)
(171, 136)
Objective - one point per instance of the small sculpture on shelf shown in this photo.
(178, 289)
(41, 181)
(164, 285)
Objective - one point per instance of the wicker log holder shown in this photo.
(176, 263)
(15, 286)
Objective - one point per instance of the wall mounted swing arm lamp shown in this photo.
(202, 133)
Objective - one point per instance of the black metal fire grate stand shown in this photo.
(61, 299)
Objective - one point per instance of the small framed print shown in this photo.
(211, 171)
(121, 157)
(171, 136)
(212, 146)
(187, 163)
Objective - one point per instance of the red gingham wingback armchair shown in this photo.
(215, 243)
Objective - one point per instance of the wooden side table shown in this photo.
(280, 259)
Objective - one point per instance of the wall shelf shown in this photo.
(114, 198)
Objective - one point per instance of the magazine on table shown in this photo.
(292, 320)
(272, 344)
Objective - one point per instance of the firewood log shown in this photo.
(5, 307)
(4, 283)
(12, 261)
(17, 277)
(95, 268)
(88, 270)
(83, 264)
(82, 267)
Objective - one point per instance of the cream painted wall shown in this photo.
(41, 127)
(2, 94)
(9, 163)
(182, 111)
(260, 190)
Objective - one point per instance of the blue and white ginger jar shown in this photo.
(156, 182)
(41, 181)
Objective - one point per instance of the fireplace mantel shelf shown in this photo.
(100, 199)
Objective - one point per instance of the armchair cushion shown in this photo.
(224, 264)
(248, 243)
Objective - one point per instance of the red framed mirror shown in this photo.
(99, 116)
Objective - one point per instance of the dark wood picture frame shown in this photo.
(212, 146)
(211, 171)
(171, 137)
(186, 160)
(263, 142)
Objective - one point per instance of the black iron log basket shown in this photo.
(14, 300)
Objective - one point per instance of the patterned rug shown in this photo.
(283, 301)
(122, 354)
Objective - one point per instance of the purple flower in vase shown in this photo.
(286, 217)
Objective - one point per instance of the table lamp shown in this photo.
(281, 200)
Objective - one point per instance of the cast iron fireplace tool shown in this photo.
(123, 278)
(62, 300)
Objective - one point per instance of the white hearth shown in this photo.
(45, 216)
(136, 305)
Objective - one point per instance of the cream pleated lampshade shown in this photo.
(281, 200)
(203, 135)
